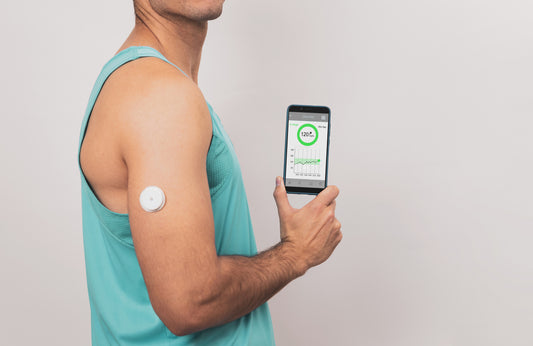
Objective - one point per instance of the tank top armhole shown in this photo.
(122, 57)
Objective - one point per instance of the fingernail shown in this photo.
(278, 181)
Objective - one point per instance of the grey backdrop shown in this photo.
(431, 147)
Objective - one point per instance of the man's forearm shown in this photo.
(224, 288)
(244, 283)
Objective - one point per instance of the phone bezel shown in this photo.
(306, 109)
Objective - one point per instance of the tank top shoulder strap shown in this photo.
(122, 57)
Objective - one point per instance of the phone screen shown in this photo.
(306, 149)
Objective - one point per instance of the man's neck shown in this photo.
(180, 41)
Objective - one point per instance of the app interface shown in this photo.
(307, 140)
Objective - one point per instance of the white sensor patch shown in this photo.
(152, 199)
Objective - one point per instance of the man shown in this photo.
(186, 272)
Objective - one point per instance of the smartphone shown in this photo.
(306, 149)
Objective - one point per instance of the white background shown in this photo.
(431, 147)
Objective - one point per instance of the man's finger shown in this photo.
(280, 196)
(327, 195)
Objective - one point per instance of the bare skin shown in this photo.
(148, 120)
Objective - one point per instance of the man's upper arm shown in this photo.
(165, 132)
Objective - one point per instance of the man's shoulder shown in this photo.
(149, 96)
(149, 89)
(143, 79)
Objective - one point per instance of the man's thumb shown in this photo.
(280, 195)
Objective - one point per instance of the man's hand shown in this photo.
(312, 232)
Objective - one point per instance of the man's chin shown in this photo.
(213, 14)
(206, 14)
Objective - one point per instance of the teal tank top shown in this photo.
(121, 313)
